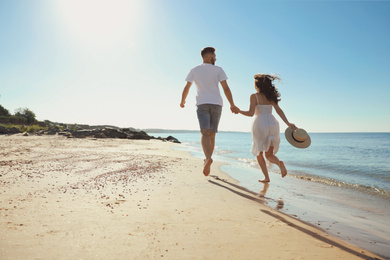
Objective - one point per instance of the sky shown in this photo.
(124, 63)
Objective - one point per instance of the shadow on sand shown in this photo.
(224, 184)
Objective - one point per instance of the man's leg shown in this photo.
(212, 142)
(215, 115)
(208, 143)
(208, 116)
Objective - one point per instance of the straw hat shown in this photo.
(298, 138)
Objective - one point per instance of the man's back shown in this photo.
(207, 77)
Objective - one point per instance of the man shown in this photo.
(208, 100)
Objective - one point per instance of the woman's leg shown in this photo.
(263, 166)
(272, 158)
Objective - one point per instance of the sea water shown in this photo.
(341, 183)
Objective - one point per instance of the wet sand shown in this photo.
(130, 199)
(356, 217)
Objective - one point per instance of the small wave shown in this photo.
(250, 162)
(332, 182)
(245, 160)
(188, 144)
(221, 152)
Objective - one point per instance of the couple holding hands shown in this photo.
(265, 128)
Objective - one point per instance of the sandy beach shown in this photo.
(68, 198)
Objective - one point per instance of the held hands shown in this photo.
(234, 109)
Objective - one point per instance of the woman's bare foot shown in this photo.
(265, 180)
(206, 167)
(283, 169)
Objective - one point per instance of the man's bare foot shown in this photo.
(283, 169)
(265, 180)
(206, 167)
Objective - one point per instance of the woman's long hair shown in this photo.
(264, 84)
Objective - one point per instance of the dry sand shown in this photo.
(131, 199)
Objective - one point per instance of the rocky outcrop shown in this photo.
(81, 133)
(106, 132)
(6, 131)
(3, 130)
(53, 130)
(140, 135)
(114, 133)
(172, 139)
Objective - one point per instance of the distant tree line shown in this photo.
(22, 116)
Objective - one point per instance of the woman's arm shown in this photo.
(280, 112)
(252, 105)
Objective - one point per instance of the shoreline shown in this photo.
(94, 199)
(348, 213)
(339, 212)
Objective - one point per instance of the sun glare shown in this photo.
(98, 23)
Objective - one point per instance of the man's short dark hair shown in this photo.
(207, 50)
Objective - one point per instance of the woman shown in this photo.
(265, 128)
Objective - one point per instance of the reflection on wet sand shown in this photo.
(264, 191)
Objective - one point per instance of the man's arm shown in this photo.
(229, 96)
(186, 90)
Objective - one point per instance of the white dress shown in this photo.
(265, 130)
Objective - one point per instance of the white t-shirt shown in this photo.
(207, 77)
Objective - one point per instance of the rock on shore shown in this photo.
(106, 132)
